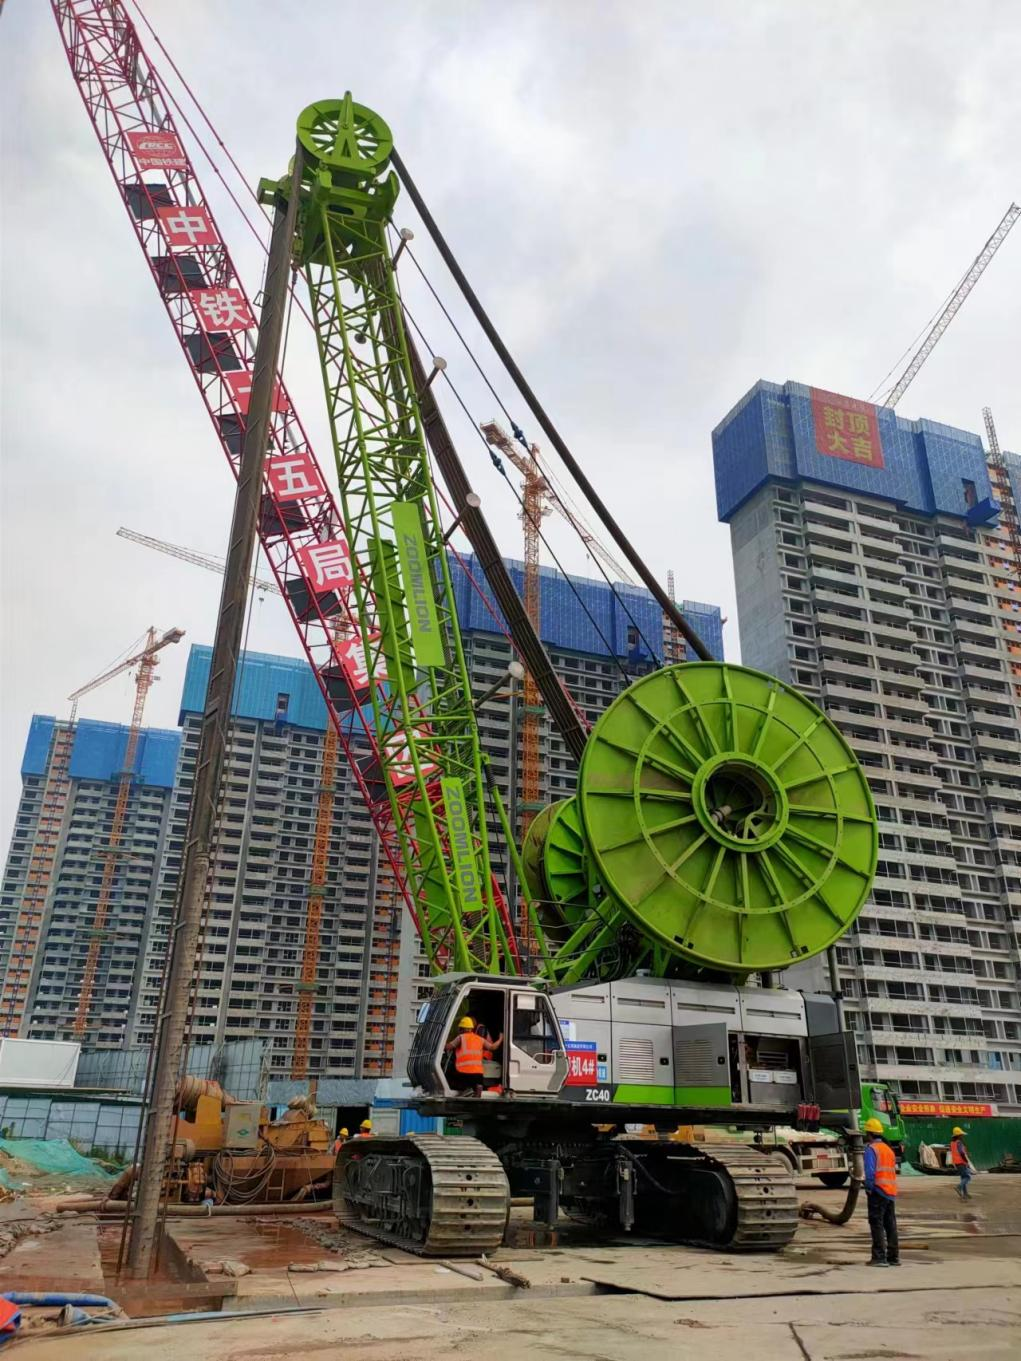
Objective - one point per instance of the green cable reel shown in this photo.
(565, 861)
(728, 817)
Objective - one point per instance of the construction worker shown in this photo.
(339, 1140)
(881, 1192)
(469, 1049)
(961, 1162)
(364, 1130)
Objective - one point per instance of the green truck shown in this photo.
(824, 1154)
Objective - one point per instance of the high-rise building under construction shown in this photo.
(71, 775)
(876, 570)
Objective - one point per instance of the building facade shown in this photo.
(250, 960)
(875, 571)
(70, 780)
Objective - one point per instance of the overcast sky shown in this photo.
(659, 202)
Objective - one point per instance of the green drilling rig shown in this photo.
(722, 830)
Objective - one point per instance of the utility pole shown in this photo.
(192, 887)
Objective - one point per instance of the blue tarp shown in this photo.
(98, 753)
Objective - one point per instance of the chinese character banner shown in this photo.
(846, 428)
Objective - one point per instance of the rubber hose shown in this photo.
(810, 1210)
(48, 1299)
(189, 1211)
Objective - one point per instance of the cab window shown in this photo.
(533, 1028)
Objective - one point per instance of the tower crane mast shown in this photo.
(536, 502)
(1010, 518)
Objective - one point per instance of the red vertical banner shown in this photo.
(846, 428)
(293, 476)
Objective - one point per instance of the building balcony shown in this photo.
(896, 632)
(883, 550)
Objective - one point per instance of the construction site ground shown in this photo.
(312, 1290)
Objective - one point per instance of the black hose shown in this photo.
(810, 1210)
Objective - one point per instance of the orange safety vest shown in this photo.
(886, 1168)
(957, 1154)
(468, 1054)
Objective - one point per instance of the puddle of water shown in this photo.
(263, 1245)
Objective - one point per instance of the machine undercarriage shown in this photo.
(442, 1195)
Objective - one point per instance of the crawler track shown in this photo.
(728, 1197)
(767, 1200)
(429, 1194)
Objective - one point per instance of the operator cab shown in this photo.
(532, 1059)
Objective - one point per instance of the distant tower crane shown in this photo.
(971, 278)
(536, 502)
(209, 561)
(146, 661)
(307, 985)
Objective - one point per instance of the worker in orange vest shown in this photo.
(339, 1141)
(881, 1192)
(962, 1163)
(364, 1130)
(470, 1049)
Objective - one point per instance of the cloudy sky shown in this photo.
(660, 201)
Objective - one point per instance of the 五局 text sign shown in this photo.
(846, 428)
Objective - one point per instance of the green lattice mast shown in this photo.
(430, 762)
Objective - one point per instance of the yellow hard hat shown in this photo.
(366, 1124)
(957, 1131)
(466, 1023)
(873, 1126)
(343, 1134)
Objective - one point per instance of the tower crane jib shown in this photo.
(939, 326)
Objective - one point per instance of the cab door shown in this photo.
(536, 1059)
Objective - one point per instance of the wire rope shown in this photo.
(498, 464)
(569, 515)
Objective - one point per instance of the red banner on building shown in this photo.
(157, 151)
(846, 428)
(946, 1109)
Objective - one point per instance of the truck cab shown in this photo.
(532, 1059)
(879, 1100)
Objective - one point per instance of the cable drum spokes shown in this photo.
(728, 817)
(345, 136)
